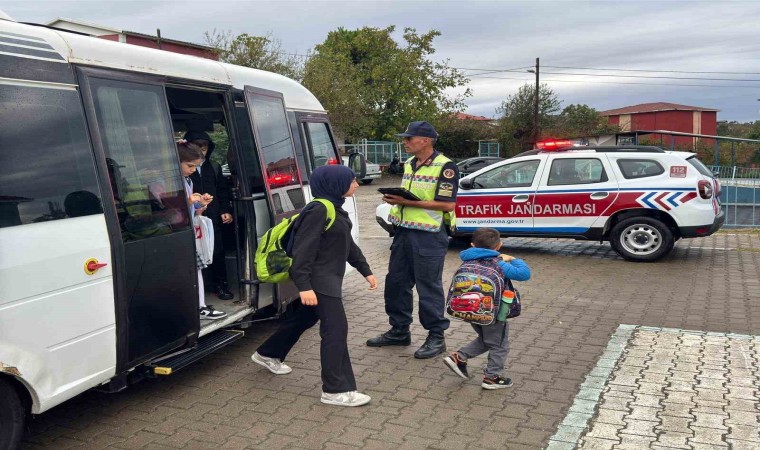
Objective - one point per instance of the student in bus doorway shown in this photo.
(208, 178)
(190, 157)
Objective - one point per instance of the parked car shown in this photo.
(471, 165)
(639, 198)
(373, 171)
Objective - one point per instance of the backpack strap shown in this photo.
(330, 211)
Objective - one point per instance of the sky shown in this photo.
(695, 53)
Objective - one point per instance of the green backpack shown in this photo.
(271, 259)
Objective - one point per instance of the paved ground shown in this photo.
(580, 295)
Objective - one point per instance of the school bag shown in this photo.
(271, 258)
(475, 292)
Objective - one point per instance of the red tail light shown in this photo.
(332, 162)
(553, 144)
(705, 189)
(277, 180)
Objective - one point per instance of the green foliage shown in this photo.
(517, 116)
(581, 120)
(258, 52)
(222, 142)
(373, 87)
(458, 138)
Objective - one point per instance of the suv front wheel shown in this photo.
(641, 239)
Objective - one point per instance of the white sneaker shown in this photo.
(351, 398)
(274, 365)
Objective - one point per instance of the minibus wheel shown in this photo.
(12, 415)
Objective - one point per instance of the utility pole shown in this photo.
(536, 130)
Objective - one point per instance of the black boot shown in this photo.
(394, 336)
(223, 292)
(434, 345)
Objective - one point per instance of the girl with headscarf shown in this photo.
(319, 264)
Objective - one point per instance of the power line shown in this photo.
(655, 71)
(623, 82)
(649, 76)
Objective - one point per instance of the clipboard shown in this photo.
(399, 191)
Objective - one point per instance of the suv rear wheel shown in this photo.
(12, 415)
(641, 239)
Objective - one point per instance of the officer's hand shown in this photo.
(226, 218)
(394, 199)
(372, 282)
(308, 298)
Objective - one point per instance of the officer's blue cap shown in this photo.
(422, 129)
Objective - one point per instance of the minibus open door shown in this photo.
(282, 179)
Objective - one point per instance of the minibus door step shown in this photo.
(205, 346)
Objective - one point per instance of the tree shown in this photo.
(517, 115)
(458, 138)
(582, 120)
(373, 87)
(258, 52)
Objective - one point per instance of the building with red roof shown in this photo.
(134, 38)
(666, 116)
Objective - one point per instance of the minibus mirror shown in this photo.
(358, 164)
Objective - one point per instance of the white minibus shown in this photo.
(98, 281)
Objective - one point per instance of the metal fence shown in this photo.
(740, 195)
(488, 148)
(378, 152)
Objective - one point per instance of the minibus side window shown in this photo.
(142, 160)
(46, 165)
(276, 146)
(248, 149)
(321, 144)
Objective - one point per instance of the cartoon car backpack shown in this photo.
(475, 292)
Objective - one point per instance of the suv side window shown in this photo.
(517, 174)
(576, 171)
(640, 168)
(46, 166)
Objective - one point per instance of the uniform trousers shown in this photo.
(337, 373)
(417, 260)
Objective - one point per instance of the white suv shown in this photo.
(642, 199)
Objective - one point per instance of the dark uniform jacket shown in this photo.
(319, 257)
(211, 181)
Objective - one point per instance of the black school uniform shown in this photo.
(319, 264)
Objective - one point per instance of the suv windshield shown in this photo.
(701, 168)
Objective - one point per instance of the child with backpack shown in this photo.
(492, 338)
(321, 246)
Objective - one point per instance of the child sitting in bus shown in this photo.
(190, 157)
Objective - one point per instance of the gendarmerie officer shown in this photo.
(420, 242)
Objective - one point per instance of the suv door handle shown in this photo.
(520, 198)
(599, 195)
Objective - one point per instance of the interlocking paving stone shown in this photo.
(580, 294)
(707, 406)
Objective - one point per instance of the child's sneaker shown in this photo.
(497, 382)
(457, 364)
(208, 312)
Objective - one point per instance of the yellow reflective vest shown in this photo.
(422, 183)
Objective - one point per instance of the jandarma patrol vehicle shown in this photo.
(639, 198)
